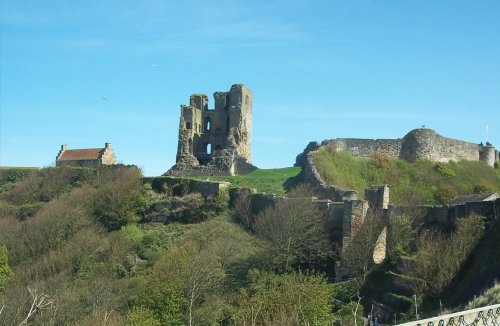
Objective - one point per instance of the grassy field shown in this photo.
(275, 181)
(422, 182)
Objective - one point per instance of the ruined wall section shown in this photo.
(215, 141)
(420, 144)
(366, 148)
(312, 177)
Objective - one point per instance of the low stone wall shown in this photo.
(208, 189)
(484, 316)
(312, 177)
(446, 215)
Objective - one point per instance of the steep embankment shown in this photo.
(422, 182)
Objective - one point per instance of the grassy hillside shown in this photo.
(411, 183)
(273, 181)
(75, 249)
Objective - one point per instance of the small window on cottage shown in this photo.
(208, 124)
(209, 149)
(188, 125)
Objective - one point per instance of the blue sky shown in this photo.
(318, 70)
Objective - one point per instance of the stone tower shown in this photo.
(215, 141)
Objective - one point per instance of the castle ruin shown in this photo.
(418, 144)
(218, 141)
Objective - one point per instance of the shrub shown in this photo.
(445, 194)
(482, 188)
(381, 161)
(46, 184)
(5, 271)
(182, 188)
(11, 175)
(120, 201)
(444, 169)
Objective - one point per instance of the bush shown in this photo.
(381, 161)
(482, 188)
(445, 194)
(444, 169)
(182, 188)
(5, 271)
(120, 201)
(46, 184)
(11, 175)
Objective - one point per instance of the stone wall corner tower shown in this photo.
(216, 141)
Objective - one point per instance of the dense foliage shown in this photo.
(76, 248)
(422, 182)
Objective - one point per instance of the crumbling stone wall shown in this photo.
(312, 177)
(366, 148)
(418, 144)
(218, 141)
(423, 143)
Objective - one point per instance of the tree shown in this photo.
(287, 299)
(242, 210)
(120, 200)
(439, 256)
(180, 282)
(5, 271)
(294, 233)
(141, 316)
(358, 255)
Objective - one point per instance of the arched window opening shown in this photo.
(188, 125)
(209, 149)
(208, 124)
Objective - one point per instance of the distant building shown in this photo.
(88, 157)
(475, 198)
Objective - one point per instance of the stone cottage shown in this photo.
(87, 157)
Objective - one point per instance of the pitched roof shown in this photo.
(81, 154)
(475, 198)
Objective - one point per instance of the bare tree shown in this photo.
(357, 257)
(40, 301)
(294, 232)
(242, 210)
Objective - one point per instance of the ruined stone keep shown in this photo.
(88, 157)
(215, 141)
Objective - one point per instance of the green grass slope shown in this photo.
(274, 181)
(422, 182)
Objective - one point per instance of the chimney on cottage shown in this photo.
(63, 149)
(107, 145)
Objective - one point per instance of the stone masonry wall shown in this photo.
(215, 141)
(366, 148)
(312, 177)
(421, 144)
(418, 144)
